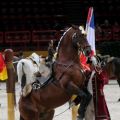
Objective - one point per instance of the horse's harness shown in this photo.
(67, 66)
(80, 49)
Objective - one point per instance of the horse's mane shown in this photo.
(61, 39)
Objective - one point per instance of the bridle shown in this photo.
(79, 43)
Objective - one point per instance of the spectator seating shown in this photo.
(43, 37)
(116, 32)
(1, 37)
(98, 33)
(16, 38)
(107, 34)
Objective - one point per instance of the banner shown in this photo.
(3, 70)
(90, 29)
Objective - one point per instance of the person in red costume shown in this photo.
(100, 106)
(98, 78)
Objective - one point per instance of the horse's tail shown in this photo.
(21, 73)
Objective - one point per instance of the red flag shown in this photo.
(3, 70)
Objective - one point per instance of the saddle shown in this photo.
(40, 82)
(43, 81)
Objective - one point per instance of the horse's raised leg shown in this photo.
(85, 96)
(50, 115)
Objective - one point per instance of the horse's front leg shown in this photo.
(83, 94)
(47, 115)
(71, 88)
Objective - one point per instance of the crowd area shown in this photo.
(107, 31)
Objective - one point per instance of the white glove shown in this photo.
(94, 60)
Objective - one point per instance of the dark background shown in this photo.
(20, 19)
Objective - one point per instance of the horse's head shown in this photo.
(79, 39)
(72, 41)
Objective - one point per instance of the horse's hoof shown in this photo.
(119, 100)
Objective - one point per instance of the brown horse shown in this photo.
(68, 79)
(112, 67)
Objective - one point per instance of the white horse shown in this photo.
(29, 66)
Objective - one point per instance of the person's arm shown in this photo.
(94, 60)
(90, 57)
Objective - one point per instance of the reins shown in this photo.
(70, 106)
(67, 67)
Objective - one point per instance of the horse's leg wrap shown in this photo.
(85, 99)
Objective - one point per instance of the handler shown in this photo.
(99, 110)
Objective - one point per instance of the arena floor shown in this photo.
(112, 93)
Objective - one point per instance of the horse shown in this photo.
(112, 66)
(68, 79)
(28, 67)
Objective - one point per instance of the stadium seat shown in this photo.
(1, 37)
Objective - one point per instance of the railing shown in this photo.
(109, 34)
(40, 38)
(17, 37)
(43, 36)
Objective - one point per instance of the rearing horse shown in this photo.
(68, 79)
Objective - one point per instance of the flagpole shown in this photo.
(90, 29)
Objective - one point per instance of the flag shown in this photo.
(90, 29)
(3, 70)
